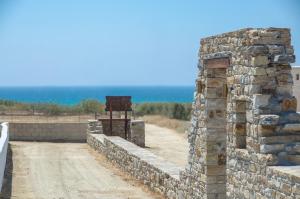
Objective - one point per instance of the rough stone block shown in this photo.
(258, 71)
(253, 89)
(268, 120)
(284, 90)
(286, 139)
(240, 142)
(275, 49)
(271, 148)
(240, 106)
(215, 82)
(293, 148)
(289, 104)
(240, 118)
(283, 59)
(291, 128)
(240, 129)
(216, 188)
(258, 50)
(216, 104)
(217, 63)
(295, 159)
(265, 130)
(219, 92)
(289, 118)
(216, 170)
(230, 80)
(260, 100)
(259, 61)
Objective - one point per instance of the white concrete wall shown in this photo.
(71, 132)
(3, 150)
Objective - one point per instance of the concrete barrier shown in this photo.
(71, 132)
(3, 150)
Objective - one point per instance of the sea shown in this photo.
(73, 95)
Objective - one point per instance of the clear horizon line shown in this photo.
(154, 85)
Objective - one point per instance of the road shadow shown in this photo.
(7, 181)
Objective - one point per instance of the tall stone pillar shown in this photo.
(244, 114)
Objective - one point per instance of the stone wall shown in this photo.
(94, 127)
(118, 127)
(283, 183)
(136, 129)
(244, 116)
(159, 175)
(72, 132)
(244, 138)
(137, 132)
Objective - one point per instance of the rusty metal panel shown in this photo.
(118, 103)
(217, 63)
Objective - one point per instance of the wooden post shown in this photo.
(110, 111)
(126, 122)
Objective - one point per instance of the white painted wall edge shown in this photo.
(3, 150)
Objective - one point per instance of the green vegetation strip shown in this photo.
(171, 110)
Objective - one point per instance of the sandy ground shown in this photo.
(66, 171)
(167, 143)
(179, 126)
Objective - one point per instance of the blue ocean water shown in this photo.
(73, 95)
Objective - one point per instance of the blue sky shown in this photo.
(114, 42)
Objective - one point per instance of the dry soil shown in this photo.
(65, 171)
(167, 143)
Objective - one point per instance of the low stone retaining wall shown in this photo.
(136, 129)
(118, 127)
(160, 176)
(283, 182)
(169, 180)
(74, 132)
(3, 150)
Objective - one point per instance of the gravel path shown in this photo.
(65, 171)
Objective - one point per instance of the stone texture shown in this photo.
(137, 132)
(268, 120)
(118, 127)
(261, 125)
(160, 176)
(244, 134)
(135, 129)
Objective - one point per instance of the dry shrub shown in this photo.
(178, 125)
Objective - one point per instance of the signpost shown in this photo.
(118, 103)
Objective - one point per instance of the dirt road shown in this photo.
(66, 171)
(167, 143)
